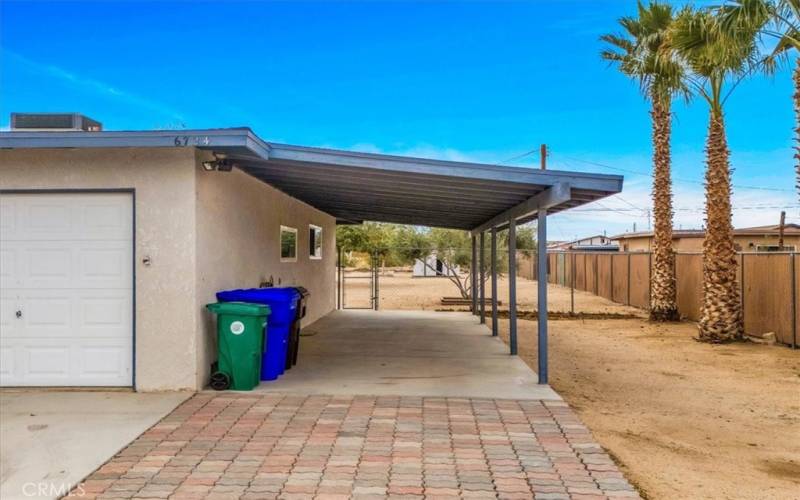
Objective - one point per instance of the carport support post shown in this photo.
(541, 243)
(512, 285)
(482, 273)
(494, 281)
(473, 276)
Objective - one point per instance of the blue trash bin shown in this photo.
(283, 304)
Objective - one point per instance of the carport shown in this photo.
(480, 198)
(355, 187)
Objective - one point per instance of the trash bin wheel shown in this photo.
(220, 381)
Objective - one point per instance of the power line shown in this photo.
(519, 157)
(682, 209)
(678, 179)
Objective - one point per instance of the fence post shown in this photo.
(794, 300)
(649, 279)
(611, 276)
(742, 290)
(596, 274)
(629, 279)
(572, 287)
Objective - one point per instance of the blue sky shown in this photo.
(472, 81)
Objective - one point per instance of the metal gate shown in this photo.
(357, 288)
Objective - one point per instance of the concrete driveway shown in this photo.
(407, 353)
(50, 440)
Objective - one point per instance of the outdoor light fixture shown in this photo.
(220, 163)
(225, 165)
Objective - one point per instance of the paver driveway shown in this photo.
(253, 446)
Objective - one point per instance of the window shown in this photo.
(774, 248)
(314, 242)
(288, 244)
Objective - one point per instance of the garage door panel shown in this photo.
(67, 267)
(100, 363)
(105, 219)
(104, 316)
(8, 218)
(8, 309)
(46, 361)
(105, 266)
(7, 362)
(46, 313)
(51, 264)
(8, 267)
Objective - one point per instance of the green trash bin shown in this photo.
(240, 343)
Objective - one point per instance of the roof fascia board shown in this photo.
(202, 139)
(555, 195)
(299, 154)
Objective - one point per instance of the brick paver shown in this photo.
(233, 445)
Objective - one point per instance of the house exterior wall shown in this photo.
(202, 231)
(163, 180)
(745, 243)
(238, 227)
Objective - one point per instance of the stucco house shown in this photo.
(596, 243)
(746, 239)
(111, 243)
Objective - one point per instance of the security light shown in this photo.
(225, 165)
(210, 165)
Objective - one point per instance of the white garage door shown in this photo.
(66, 289)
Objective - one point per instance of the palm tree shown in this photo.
(783, 27)
(719, 59)
(643, 54)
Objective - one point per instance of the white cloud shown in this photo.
(88, 84)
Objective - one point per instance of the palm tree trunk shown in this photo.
(796, 78)
(663, 306)
(721, 315)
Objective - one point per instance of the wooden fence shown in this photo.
(769, 281)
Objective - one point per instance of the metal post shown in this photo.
(494, 282)
(541, 242)
(472, 276)
(512, 286)
(377, 279)
(341, 280)
(482, 273)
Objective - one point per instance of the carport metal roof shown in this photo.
(355, 187)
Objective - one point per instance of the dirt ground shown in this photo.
(399, 290)
(686, 420)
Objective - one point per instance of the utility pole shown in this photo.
(780, 230)
(543, 156)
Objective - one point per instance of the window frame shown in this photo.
(312, 242)
(287, 229)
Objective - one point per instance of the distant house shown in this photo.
(597, 243)
(746, 239)
(432, 267)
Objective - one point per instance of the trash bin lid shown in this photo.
(302, 291)
(239, 308)
(269, 295)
